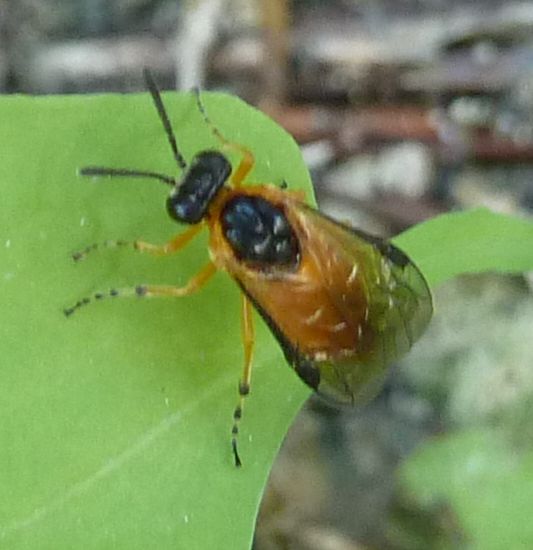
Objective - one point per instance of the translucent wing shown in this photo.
(398, 304)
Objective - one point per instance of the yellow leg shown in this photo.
(298, 194)
(194, 284)
(247, 161)
(248, 339)
(248, 336)
(149, 291)
(175, 244)
(246, 164)
(171, 246)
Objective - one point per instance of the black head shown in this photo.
(206, 175)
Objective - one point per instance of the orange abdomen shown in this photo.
(304, 311)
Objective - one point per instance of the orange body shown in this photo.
(346, 310)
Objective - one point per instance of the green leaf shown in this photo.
(489, 485)
(469, 242)
(116, 421)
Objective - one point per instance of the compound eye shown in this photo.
(182, 209)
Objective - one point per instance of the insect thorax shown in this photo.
(259, 232)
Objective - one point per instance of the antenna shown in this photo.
(161, 111)
(111, 172)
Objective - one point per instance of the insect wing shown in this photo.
(397, 304)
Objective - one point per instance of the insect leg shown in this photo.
(149, 291)
(248, 338)
(298, 194)
(175, 244)
(247, 160)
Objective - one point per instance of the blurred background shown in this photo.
(404, 109)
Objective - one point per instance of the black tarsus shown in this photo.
(158, 102)
(238, 462)
(216, 132)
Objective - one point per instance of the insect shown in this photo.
(342, 304)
